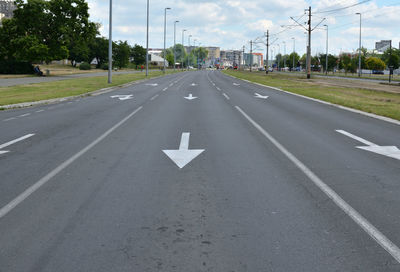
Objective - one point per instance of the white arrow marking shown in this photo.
(388, 151)
(183, 155)
(235, 84)
(193, 84)
(152, 84)
(190, 97)
(256, 95)
(123, 97)
(13, 142)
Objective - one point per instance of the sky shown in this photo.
(232, 24)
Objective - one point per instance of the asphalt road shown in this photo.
(7, 82)
(258, 184)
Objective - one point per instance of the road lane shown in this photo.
(241, 205)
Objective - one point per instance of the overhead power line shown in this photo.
(342, 8)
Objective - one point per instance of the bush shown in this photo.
(15, 67)
(85, 66)
(104, 66)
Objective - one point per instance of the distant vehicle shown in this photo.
(261, 69)
(235, 67)
(377, 72)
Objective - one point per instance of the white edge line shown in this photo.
(154, 97)
(382, 118)
(226, 96)
(361, 140)
(370, 229)
(9, 119)
(19, 199)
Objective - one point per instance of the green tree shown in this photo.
(332, 61)
(391, 57)
(289, 61)
(121, 54)
(376, 64)
(138, 53)
(98, 49)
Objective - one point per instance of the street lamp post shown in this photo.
(110, 47)
(188, 63)
(326, 60)
(147, 40)
(294, 51)
(165, 33)
(183, 39)
(359, 49)
(175, 43)
(194, 48)
(284, 55)
(279, 59)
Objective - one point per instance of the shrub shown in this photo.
(104, 66)
(85, 66)
(15, 67)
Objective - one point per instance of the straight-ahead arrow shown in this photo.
(13, 142)
(256, 95)
(123, 96)
(190, 97)
(388, 151)
(183, 155)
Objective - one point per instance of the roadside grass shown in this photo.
(377, 102)
(65, 88)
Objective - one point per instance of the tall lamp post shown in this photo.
(327, 39)
(188, 63)
(175, 43)
(165, 33)
(284, 55)
(294, 51)
(183, 52)
(147, 40)
(110, 47)
(359, 49)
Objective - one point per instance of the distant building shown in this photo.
(256, 59)
(7, 8)
(383, 45)
(231, 57)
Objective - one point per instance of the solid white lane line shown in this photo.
(19, 199)
(24, 115)
(361, 140)
(370, 229)
(40, 111)
(154, 97)
(9, 119)
(226, 96)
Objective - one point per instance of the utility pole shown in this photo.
(284, 55)
(183, 52)
(294, 51)
(243, 57)
(266, 69)
(309, 45)
(359, 49)
(165, 34)
(251, 56)
(110, 47)
(326, 60)
(175, 43)
(188, 63)
(147, 41)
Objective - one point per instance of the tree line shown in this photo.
(42, 31)
(345, 61)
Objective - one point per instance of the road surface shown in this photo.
(197, 171)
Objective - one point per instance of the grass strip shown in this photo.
(64, 88)
(377, 102)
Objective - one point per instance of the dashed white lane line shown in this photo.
(172, 84)
(154, 97)
(165, 89)
(19, 199)
(39, 111)
(9, 119)
(362, 222)
(226, 96)
(24, 115)
(218, 88)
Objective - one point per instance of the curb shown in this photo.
(62, 99)
(372, 115)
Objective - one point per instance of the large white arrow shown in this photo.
(123, 96)
(190, 97)
(183, 155)
(256, 95)
(388, 151)
(13, 142)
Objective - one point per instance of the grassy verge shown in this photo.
(381, 103)
(64, 88)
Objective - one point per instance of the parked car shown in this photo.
(377, 72)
